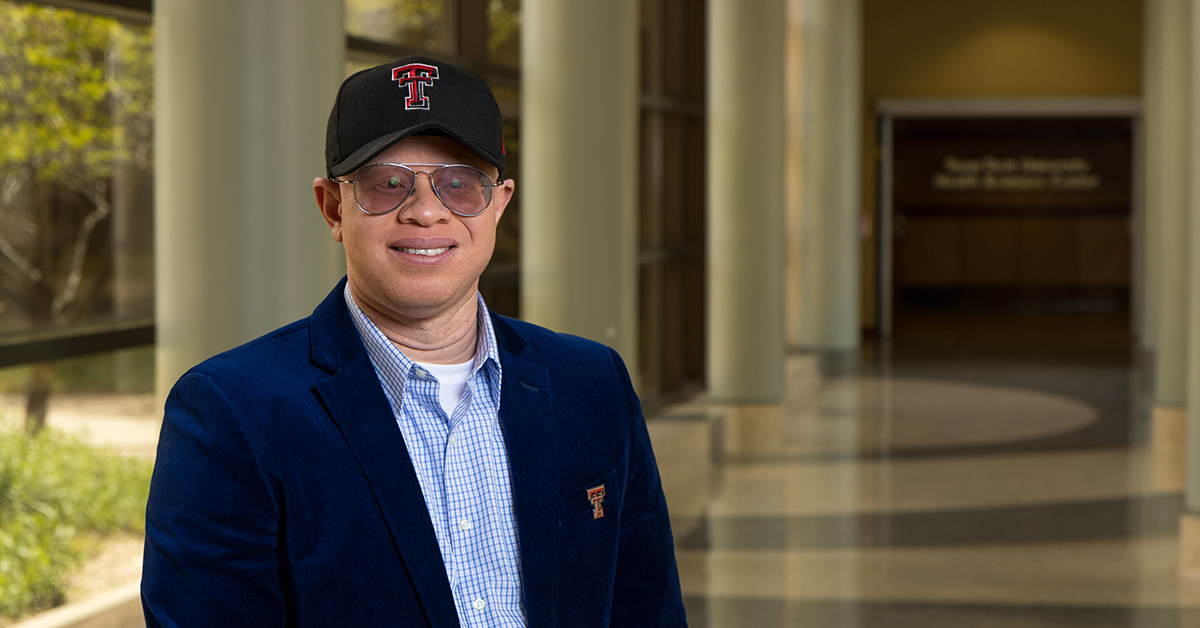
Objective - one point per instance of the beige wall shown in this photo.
(942, 48)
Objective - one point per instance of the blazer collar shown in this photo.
(527, 417)
(507, 337)
(333, 340)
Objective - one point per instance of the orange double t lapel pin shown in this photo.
(596, 496)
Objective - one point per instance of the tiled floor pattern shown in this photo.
(930, 492)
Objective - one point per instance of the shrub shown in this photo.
(55, 491)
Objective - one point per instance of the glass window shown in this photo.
(672, 219)
(504, 33)
(76, 181)
(420, 24)
(76, 153)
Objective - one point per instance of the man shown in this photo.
(403, 457)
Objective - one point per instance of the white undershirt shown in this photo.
(452, 382)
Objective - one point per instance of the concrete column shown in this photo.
(243, 90)
(746, 128)
(1190, 525)
(1166, 92)
(579, 151)
(824, 283)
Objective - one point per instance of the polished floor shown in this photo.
(929, 490)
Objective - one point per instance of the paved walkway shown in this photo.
(127, 422)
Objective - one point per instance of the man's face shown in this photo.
(421, 260)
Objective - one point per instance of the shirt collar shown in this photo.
(383, 351)
(486, 348)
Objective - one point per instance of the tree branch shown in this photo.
(22, 264)
(98, 195)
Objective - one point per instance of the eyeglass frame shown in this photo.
(413, 189)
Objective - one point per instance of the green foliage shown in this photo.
(504, 26)
(54, 491)
(75, 93)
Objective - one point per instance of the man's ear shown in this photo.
(329, 200)
(501, 195)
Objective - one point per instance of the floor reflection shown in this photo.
(929, 491)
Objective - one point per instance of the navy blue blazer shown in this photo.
(283, 494)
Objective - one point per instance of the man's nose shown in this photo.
(423, 205)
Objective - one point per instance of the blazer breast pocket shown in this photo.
(598, 499)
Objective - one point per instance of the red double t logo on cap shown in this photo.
(415, 76)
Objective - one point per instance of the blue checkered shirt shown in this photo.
(462, 467)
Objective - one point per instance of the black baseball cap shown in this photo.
(380, 106)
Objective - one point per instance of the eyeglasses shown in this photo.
(381, 188)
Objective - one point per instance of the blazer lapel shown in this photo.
(358, 406)
(527, 416)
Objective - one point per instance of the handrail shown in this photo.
(42, 345)
(129, 10)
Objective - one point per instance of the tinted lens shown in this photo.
(381, 188)
(464, 189)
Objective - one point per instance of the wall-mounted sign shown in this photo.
(1026, 173)
(1017, 164)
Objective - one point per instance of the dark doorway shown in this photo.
(1012, 232)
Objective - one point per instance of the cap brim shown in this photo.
(367, 151)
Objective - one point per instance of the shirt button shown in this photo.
(479, 604)
(464, 525)
(452, 439)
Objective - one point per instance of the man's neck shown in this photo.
(447, 338)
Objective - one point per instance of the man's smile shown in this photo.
(428, 252)
(424, 248)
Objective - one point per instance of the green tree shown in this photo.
(75, 115)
